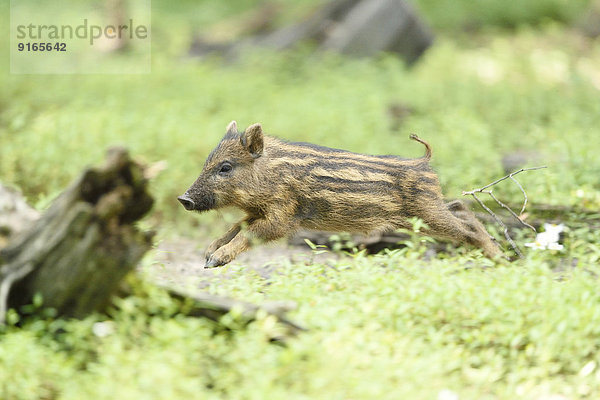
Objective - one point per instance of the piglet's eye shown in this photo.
(225, 168)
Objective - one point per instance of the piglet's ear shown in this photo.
(252, 140)
(232, 128)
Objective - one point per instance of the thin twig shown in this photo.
(503, 178)
(501, 204)
(524, 195)
(510, 211)
(499, 222)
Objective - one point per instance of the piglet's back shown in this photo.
(333, 189)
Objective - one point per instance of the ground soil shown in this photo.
(180, 262)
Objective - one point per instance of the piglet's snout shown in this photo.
(187, 203)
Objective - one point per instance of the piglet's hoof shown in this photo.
(214, 262)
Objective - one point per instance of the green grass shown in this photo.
(390, 326)
(529, 91)
(467, 15)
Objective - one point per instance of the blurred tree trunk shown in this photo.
(373, 26)
(360, 28)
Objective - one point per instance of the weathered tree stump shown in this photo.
(76, 254)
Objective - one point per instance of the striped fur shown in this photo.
(283, 186)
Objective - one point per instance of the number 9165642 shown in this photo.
(42, 46)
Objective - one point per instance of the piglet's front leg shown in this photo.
(223, 240)
(226, 254)
(258, 230)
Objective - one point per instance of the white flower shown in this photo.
(549, 238)
(535, 245)
(555, 246)
(551, 233)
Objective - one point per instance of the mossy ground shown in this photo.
(396, 325)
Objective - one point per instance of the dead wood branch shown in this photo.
(201, 304)
(501, 204)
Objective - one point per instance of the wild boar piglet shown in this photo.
(282, 186)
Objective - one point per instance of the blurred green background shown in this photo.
(502, 79)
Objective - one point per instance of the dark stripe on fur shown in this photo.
(352, 184)
(398, 175)
(345, 156)
(295, 149)
(332, 163)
